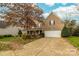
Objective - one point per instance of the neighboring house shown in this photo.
(51, 27)
(5, 29)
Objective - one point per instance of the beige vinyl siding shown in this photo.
(9, 30)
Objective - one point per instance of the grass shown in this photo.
(5, 43)
(7, 38)
(4, 46)
(13, 43)
(8, 42)
(74, 41)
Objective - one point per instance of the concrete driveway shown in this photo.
(45, 47)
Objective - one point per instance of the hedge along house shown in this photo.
(53, 26)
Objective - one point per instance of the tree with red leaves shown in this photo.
(23, 14)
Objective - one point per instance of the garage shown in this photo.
(52, 33)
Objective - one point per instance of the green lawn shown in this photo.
(16, 39)
(74, 41)
(12, 43)
(7, 38)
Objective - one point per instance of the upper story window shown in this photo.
(51, 22)
(39, 25)
(33, 27)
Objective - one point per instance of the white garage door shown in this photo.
(52, 33)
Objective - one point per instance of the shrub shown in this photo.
(76, 32)
(65, 32)
(20, 33)
(24, 36)
(9, 35)
(42, 35)
(1, 37)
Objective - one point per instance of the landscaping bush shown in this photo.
(25, 37)
(9, 35)
(76, 32)
(1, 36)
(42, 35)
(65, 32)
(20, 33)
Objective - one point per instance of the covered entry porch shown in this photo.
(36, 32)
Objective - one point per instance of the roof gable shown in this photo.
(58, 25)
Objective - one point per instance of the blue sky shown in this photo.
(63, 10)
(50, 7)
(3, 9)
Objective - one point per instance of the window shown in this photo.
(39, 25)
(51, 22)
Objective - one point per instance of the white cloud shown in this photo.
(49, 4)
(45, 15)
(66, 9)
(64, 12)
